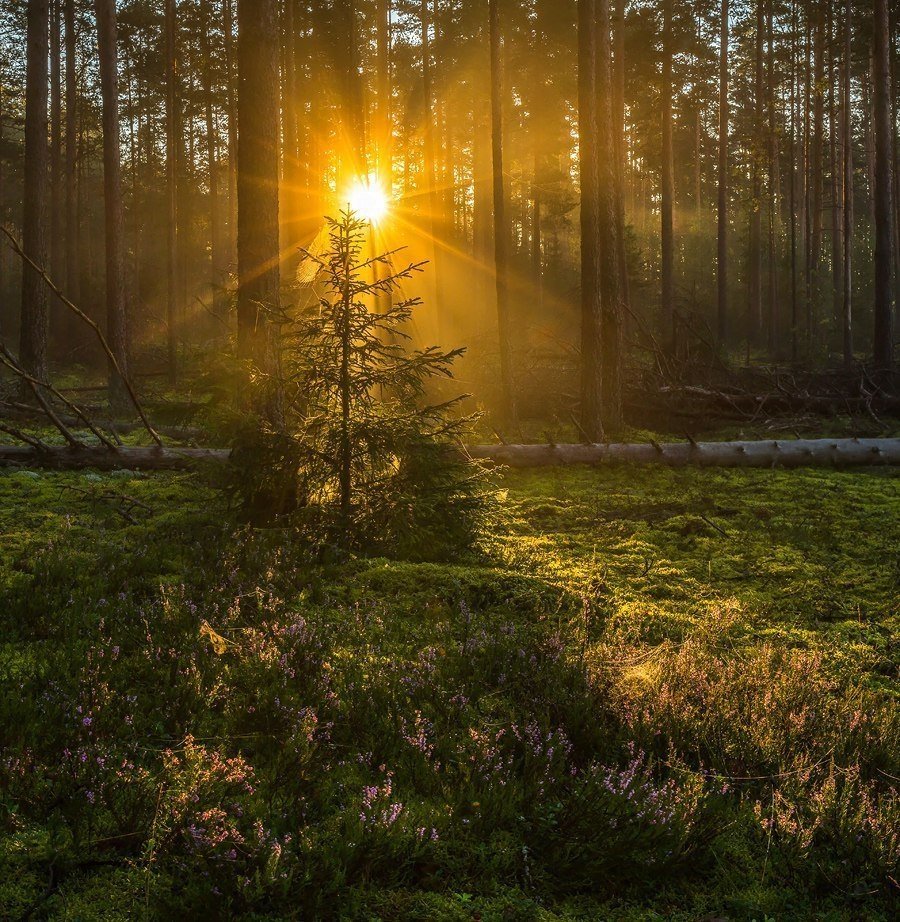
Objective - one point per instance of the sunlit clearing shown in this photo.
(368, 200)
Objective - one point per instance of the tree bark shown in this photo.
(828, 453)
(882, 349)
(589, 174)
(501, 231)
(847, 137)
(667, 191)
(114, 220)
(774, 178)
(817, 179)
(35, 298)
(171, 191)
(722, 205)
(73, 272)
(754, 282)
(259, 274)
(612, 306)
(57, 254)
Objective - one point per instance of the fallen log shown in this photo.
(768, 453)
(786, 453)
(105, 459)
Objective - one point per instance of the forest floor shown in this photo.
(653, 694)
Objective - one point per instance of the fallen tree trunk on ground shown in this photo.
(770, 453)
(105, 459)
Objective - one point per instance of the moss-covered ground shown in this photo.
(652, 694)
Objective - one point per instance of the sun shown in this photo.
(368, 200)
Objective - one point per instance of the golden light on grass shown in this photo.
(368, 200)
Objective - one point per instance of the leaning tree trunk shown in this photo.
(883, 334)
(35, 298)
(116, 332)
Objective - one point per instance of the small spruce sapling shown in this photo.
(378, 460)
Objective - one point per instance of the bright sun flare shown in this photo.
(368, 200)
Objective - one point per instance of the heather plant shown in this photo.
(236, 731)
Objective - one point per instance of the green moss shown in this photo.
(655, 606)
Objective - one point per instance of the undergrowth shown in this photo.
(650, 694)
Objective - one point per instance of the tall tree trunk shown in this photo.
(383, 133)
(816, 176)
(591, 320)
(501, 231)
(114, 216)
(722, 212)
(667, 191)
(793, 186)
(72, 274)
(619, 131)
(35, 320)
(433, 223)
(882, 349)
(353, 163)
(754, 304)
(258, 99)
(230, 95)
(171, 192)
(215, 262)
(835, 171)
(774, 177)
(612, 305)
(847, 137)
(57, 255)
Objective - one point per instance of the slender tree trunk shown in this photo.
(816, 175)
(667, 191)
(258, 238)
(353, 163)
(754, 305)
(847, 137)
(72, 274)
(501, 230)
(57, 255)
(882, 350)
(35, 304)
(619, 130)
(383, 133)
(171, 191)
(722, 214)
(433, 223)
(116, 312)
(774, 177)
(215, 261)
(591, 320)
(232, 131)
(612, 305)
(793, 186)
(835, 171)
